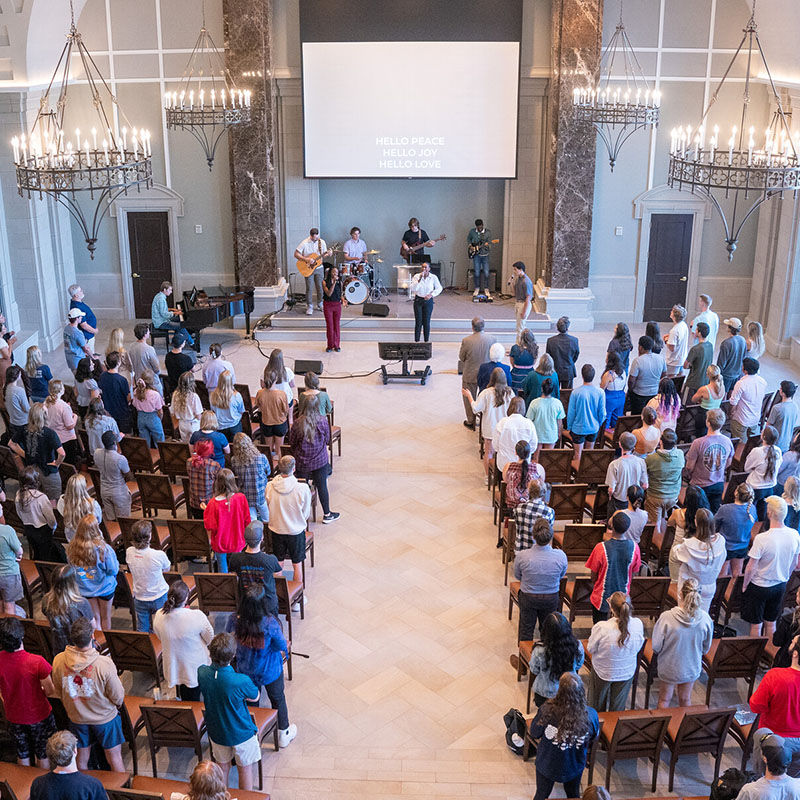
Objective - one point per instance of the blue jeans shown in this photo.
(481, 266)
(615, 405)
(222, 561)
(149, 426)
(261, 511)
(145, 609)
(176, 326)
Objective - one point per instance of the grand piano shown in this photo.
(205, 307)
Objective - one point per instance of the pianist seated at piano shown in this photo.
(165, 318)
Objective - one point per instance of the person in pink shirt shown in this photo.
(62, 419)
(148, 404)
(226, 516)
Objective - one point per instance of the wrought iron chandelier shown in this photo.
(50, 162)
(617, 113)
(209, 102)
(697, 163)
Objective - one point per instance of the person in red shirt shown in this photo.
(777, 699)
(226, 516)
(24, 684)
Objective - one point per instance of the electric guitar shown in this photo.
(306, 269)
(474, 249)
(406, 251)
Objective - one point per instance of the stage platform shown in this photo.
(452, 313)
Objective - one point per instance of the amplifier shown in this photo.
(301, 367)
(375, 310)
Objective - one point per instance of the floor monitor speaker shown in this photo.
(301, 367)
(375, 310)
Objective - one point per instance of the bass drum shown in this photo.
(355, 291)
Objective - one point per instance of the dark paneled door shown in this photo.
(667, 264)
(151, 261)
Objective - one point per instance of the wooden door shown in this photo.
(151, 260)
(667, 264)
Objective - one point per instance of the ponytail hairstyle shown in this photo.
(269, 380)
(649, 416)
(791, 492)
(177, 596)
(33, 361)
(55, 388)
(96, 411)
(622, 611)
(222, 396)
(523, 450)
(704, 529)
(769, 436)
(714, 376)
(184, 390)
(215, 350)
(499, 383)
(689, 599)
(636, 496)
(311, 380)
(744, 494)
(146, 382)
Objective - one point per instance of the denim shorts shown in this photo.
(107, 735)
(580, 438)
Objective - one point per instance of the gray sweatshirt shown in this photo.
(680, 642)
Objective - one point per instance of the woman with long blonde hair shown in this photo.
(228, 405)
(226, 516)
(791, 494)
(62, 419)
(284, 378)
(209, 430)
(96, 566)
(251, 468)
(63, 604)
(755, 340)
(39, 446)
(185, 407)
(116, 344)
(39, 374)
(709, 396)
(207, 782)
(76, 503)
(149, 409)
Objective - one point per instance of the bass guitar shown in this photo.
(474, 249)
(406, 251)
(306, 269)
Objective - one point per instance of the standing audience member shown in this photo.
(260, 652)
(284, 378)
(208, 430)
(226, 515)
(16, 401)
(539, 569)
(776, 754)
(149, 409)
(88, 686)
(791, 494)
(309, 440)
(547, 412)
(143, 356)
(496, 353)
(664, 470)
(666, 404)
(76, 503)
(86, 387)
(63, 604)
(565, 350)
(707, 316)
(226, 693)
(790, 466)
(623, 473)
(492, 403)
(735, 522)
(785, 415)
(274, 409)
(773, 558)
(202, 470)
(39, 374)
(39, 446)
(586, 413)
(701, 557)
(612, 382)
(635, 513)
(709, 458)
(254, 566)
(311, 382)
(621, 344)
(532, 387)
(116, 393)
(681, 636)
(698, 360)
(762, 465)
(176, 361)
(523, 296)
(648, 435)
(89, 322)
(96, 566)
(251, 468)
(97, 422)
(114, 471)
(214, 366)
(75, 347)
(289, 503)
(475, 350)
(731, 353)
(36, 514)
(684, 521)
(185, 634)
(517, 474)
(709, 397)
(24, 684)
(746, 400)
(228, 405)
(614, 645)
(116, 344)
(10, 580)
(522, 356)
(526, 514)
(65, 782)
(677, 341)
(613, 564)
(565, 728)
(186, 407)
(755, 340)
(147, 567)
(510, 430)
(646, 372)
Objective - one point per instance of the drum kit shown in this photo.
(360, 279)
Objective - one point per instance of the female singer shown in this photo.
(332, 307)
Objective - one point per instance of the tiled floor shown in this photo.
(408, 676)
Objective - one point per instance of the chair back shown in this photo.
(123, 596)
(703, 731)
(10, 465)
(666, 546)
(599, 508)
(580, 602)
(579, 540)
(83, 438)
(94, 474)
(173, 457)
(138, 453)
(244, 391)
(556, 464)
(12, 518)
(45, 570)
(639, 734)
(734, 480)
(510, 541)
(202, 392)
(134, 651)
(646, 542)
(563, 396)
(686, 426)
(649, 595)
(738, 657)
(732, 599)
(766, 406)
(282, 591)
(625, 424)
(189, 539)
(65, 472)
(155, 491)
(793, 584)
(716, 600)
(568, 500)
(6, 792)
(738, 462)
(36, 640)
(594, 466)
(678, 381)
(217, 591)
(267, 451)
(170, 725)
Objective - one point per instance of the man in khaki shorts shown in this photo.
(664, 468)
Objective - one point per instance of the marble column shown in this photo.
(576, 47)
(248, 44)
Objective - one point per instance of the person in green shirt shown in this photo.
(698, 359)
(664, 469)
(10, 580)
(546, 413)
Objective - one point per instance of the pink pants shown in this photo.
(333, 313)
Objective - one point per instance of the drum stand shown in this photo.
(378, 288)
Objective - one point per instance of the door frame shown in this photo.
(664, 200)
(158, 198)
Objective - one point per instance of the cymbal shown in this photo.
(373, 252)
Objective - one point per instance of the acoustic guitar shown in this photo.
(406, 251)
(474, 249)
(306, 269)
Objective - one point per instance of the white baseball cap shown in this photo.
(74, 313)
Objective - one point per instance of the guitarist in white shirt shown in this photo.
(312, 250)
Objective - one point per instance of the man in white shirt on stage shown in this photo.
(308, 250)
(354, 250)
(424, 287)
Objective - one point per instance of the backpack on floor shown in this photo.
(515, 730)
(729, 784)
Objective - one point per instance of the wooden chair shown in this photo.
(133, 488)
(158, 493)
(189, 539)
(133, 794)
(217, 591)
(174, 724)
(678, 381)
(83, 438)
(289, 593)
(697, 731)
(568, 501)
(662, 544)
(731, 602)
(45, 570)
(576, 597)
(130, 713)
(625, 424)
(648, 662)
(556, 464)
(10, 463)
(649, 595)
(743, 735)
(733, 658)
(267, 451)
(336, 437)
(646, 543)
(686, 426)
(12, 518)
(171, 577)
(509, 549)
(247, 399)
(766, 406)
(136, 651)
(172, 458)
(65, 472)
(578, 541)
(36, 640)
(630, 734)
(140, 457)
(593, 466)
(123, 596)
(31, 582)
(597, 503)
(734, 479)
(742, 452)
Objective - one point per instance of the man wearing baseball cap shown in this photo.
(773, 758)
(75, 347)
(731, 353)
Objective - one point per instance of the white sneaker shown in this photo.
(284, 737)
(310, 310)
(296, 606)
(319, 306)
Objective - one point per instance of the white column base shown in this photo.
(267, 300)
(576, 304)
